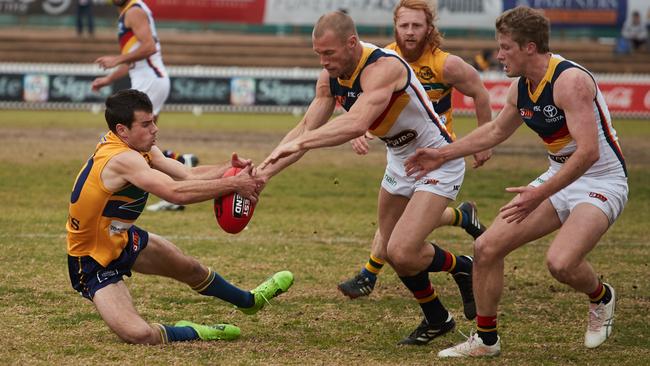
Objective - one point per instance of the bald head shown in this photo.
(338, 23)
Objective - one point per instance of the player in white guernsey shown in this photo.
(580, 195)
(383, 95)
(139, 56)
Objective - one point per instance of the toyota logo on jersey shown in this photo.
(550, 111)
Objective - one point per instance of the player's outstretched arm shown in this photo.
(318, 113)
(131, 167)
(485, 137)
(378, 81)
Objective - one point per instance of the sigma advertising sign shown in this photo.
(284, 92)
(72, 88)
(578, 13)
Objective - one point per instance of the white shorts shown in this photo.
(608, 193)
(156, 88)
(444, 181)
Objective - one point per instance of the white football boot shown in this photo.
(165, 206)
(601, 320)
(472, 347)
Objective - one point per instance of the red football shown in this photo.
(233, 212)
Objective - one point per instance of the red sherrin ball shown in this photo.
(233, 212)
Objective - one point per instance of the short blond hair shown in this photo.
(524, 25)
(338, 22)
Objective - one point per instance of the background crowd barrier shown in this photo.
(233, 89)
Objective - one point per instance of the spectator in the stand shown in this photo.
(635, 31)
(647, 28)
(485, 60)
(85, 10)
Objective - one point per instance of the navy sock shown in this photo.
(448, 262)
(177, 334)
(215, 285)
(420, 286)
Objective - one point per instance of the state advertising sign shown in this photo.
(578, 13)
(199, 90)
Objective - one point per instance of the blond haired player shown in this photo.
(418, 41)
(580, 196)
(382, 94)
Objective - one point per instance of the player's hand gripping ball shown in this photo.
(233, 212)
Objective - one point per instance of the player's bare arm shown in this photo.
(574, 93)
(131, 167)
(378, 81)
(179, 171)
(136, 19)
(484, 137)
(119, 72)
(319, 112)
(466, 80)
(360, 144)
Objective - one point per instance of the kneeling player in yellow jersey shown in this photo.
(104, 245)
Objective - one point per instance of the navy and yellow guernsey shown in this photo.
(408, 121)
(540, 112)
(99, 219)
(151, 66)
(429, 70)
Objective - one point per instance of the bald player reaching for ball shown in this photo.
(104, 245)
(383, 95)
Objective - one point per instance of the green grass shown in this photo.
(315, 219)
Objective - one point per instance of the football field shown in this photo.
(315, 219)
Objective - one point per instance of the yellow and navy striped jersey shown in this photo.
(150, 66)
(539, 111)
(429, 69)
(98, 219)
(407, 122)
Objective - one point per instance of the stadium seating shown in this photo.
(226, 49)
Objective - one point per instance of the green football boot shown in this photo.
(224, 332)
(272, 287)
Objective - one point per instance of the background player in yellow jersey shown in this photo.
(383, 95)
(580, 196)
(418, 41)
(103, 244)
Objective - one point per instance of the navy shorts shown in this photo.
(87, 276)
